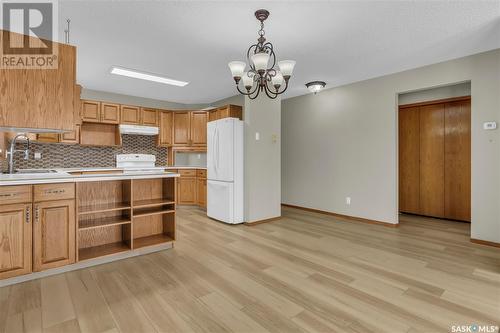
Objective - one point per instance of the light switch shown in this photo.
(490, 125)
(257, 136)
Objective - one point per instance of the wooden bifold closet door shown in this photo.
(435, 159)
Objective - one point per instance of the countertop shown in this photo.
(69, 176)
(186, 167)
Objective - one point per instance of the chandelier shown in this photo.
(262, 74)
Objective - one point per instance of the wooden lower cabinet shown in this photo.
(53, 234)
(201, 193)
(186, 190)
(15, 240)
(192, 187)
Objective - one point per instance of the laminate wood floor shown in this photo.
(304, 273)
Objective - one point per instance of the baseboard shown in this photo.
(344, 217)
(86, 264)
(263, 221)
(483, 242)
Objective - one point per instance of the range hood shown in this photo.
(138, 130)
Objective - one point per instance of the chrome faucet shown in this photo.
(13, 150)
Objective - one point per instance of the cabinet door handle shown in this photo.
(56, 191)
(37, 214)
(28, 215)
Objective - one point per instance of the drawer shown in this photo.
(15, 194)
(47, 192)
(187, 172)
(201, 173)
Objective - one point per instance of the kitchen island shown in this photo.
(70, 219)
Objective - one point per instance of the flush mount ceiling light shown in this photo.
(262, 76)
(315, 86)
(146, 76)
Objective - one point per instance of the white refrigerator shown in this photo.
(225, 170)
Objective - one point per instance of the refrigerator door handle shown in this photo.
(213, 150)
(218, 142)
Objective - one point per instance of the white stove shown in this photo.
(138, 163)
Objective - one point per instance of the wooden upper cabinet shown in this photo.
(47, 137)
(72, 136)
(149, 117)
(130, 115)
(110, 113)
(54, 234)
(91, 111)
(77, 103)
(166, 122)
(212, 115)
(199, 128)
(44, 98)
(233, 111)
(182, 128)
(15, 240)
(190, 128)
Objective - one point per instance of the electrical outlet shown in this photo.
(199, 156)
(257, 136)
(37, 155)
(347, 200)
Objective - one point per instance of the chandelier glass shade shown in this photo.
(263, 74)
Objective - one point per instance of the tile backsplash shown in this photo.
(58, 155)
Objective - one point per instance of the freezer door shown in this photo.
(220, 201)
(224, 154)
(211, 149)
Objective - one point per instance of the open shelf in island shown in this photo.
(115, 216)
(153, 211)
(103, 207)
(102, 250)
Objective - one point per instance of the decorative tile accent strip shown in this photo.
(60, 155)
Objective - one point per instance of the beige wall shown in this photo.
(448, 91)
(262, 159)
(134, 100)
(235, 100)
(343, 142)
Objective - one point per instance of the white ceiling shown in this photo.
(335, 41)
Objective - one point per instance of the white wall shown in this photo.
(343, 142)
(262, 158)
(448, 91)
